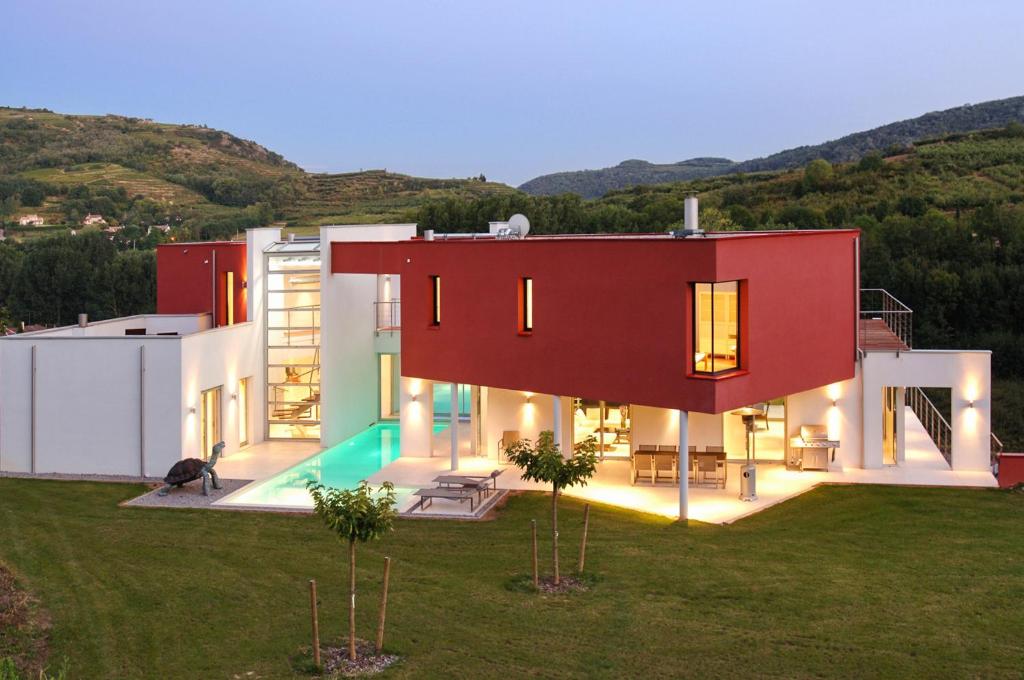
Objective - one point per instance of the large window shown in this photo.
(716, 327)
(293, 341)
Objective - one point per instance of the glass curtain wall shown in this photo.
(293, 341)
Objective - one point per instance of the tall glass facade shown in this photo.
(293, 341)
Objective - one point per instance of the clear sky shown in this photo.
(512, 89)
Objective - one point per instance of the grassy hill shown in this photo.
(595, 183)
(140, 172)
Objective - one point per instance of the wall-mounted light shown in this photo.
(970, 403)
(528, 398)
(234, 396)
(192, 410)
(415, 397)
(834, 402)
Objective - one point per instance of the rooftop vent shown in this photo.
(691, 224)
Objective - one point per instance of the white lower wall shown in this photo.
(657, 426)
(844, 420)
(89, 415)
(966, 373)
(349, 387)
(220, 357)
(416, 417)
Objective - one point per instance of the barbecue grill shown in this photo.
(812, 450)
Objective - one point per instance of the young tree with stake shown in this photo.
(544, 462)
(360, 515)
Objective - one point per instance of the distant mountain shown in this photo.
(595, 183)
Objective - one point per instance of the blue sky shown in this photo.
(511, 89)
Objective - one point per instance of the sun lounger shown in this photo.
(489, 482)
(454, 493)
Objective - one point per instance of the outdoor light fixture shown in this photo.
(528, 398)
(234, 396)
(834, 402)
(192, 410)
(415, 397)
(970, 403)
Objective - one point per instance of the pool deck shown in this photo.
(923, 466)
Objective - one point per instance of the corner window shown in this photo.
(435, 298)
(716, 327)
(526, 305)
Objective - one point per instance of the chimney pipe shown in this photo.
(83, 320)
(428, 234)
(690, 221)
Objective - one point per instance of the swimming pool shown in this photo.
(342, 466)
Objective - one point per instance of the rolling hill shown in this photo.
(595, 183)
(137, 171)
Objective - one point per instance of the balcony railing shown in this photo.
(387, 316)
(934, 423)
(885, 322)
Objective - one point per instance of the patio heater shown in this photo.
(748, 471)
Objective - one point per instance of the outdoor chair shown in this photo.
(667, 459)
(460, 494)
(508, 437)
(643, 463)
(710, 467)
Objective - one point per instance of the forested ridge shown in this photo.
(852, 147)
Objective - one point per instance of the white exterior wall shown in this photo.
(967, 373)
(220, 357)
(256, 241)
(349, 399)
(844, 420)
(89, 415)
(416, 417)
(656, 426)
(99, 413)
(509, 410)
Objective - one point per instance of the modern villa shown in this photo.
(718, 372)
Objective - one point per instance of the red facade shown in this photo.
(186, 282)
(612, 316)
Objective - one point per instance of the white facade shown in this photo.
(94, 401)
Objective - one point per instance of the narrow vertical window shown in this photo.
(526, 305)
(435, 286)
(229, 296)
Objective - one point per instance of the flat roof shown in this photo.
(458, 237)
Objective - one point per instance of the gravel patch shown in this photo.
(337, 664)
(188, 496)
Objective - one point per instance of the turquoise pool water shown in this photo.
(342, 466)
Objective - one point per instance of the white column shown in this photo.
(684, 466)
(454, 427)
(556, 413)
(474, 420)
(901, 425)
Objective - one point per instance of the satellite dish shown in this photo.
(519, 223)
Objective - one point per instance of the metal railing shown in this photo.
(934, 423)
(997, 448)
(878, 303)
(387, 316)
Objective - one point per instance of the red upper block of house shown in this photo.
(197, 278)
(706, 323)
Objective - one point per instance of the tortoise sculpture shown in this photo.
(191, 469)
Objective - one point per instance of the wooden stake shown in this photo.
(352, 600)
(536, 576)
(316, 622)
(583, 543)
(383, 605)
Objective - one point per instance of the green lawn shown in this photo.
(856, 581)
